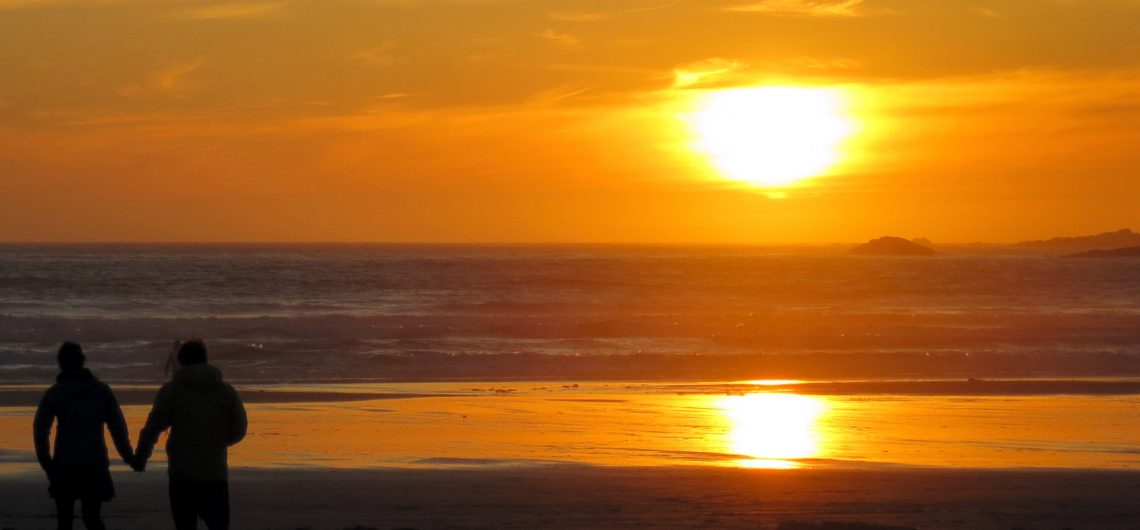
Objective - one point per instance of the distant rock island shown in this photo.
(891, 246)
(1118, 239)
(1126, 252)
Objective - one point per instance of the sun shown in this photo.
(774, 136)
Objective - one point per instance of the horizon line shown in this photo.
(497, 243)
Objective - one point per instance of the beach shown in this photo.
(436, 387)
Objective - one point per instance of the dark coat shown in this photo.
(80, 405)
(205, 416)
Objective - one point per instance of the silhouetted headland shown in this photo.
(1125, 252)
(892, 246)
(1118, 239)
(961, 387)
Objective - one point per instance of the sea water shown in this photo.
(273, 313)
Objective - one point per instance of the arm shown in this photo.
(238, 420)
(156, 422)
(41, 431)
(117, 424)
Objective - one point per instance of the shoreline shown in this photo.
(24, 397)
(27, 395)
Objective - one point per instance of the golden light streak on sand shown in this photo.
(773, 430)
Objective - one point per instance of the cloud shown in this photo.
(804, 62)
(804, 8)
(234, 10)
(556, 95)
(229, 10)
(595, 16)
(718, 72)
(559, 38)
(394, 95)
(11, 5)
(987, 12)
(568, 16)
(17, 4)
(377, 55)
(171, 81)
(702, 72)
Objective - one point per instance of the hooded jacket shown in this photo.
(205, 416)
(80, 405)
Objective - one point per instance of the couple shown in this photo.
(204, 415)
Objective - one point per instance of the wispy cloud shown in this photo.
(595, 16)
(13, 5)
(377, 55)
(574, 16)
(173, 81)
(207, 11)
(804, 8)
(804, 62)
(234, 10)
(702, 72)
(556, 95)
(987, 12)
(17, 4)
(395, 95)
(559, 38)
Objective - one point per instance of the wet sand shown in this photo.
(625, 424)
(583, 497)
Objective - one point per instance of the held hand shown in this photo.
(137, 463)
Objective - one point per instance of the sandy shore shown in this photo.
(580, 497)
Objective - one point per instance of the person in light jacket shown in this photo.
(80, 405)
(205, 416)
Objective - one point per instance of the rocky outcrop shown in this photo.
(1126, 252)
(891, 246)
(1107, 240)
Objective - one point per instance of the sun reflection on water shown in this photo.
(773, 430)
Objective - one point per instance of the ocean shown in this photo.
(338, 313)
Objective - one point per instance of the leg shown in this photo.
(215, 504)
(182, 504)
(92, 516)
(64, 513)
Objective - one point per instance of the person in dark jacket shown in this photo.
(205, 416)
(79, 405)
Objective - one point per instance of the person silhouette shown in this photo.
(78, 468)
(205, 416)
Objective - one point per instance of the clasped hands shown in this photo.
(137, 463)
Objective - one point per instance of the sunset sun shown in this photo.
(771, 137)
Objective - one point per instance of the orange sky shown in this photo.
(557, 121)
